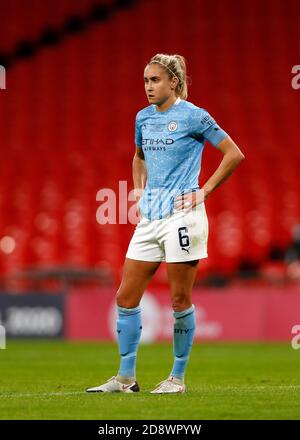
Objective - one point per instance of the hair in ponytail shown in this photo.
(176, 68)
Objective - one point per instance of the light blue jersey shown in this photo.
(172, 142)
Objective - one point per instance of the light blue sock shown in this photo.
(129, 329)
(184, 329)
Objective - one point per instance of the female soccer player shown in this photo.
(170, 134)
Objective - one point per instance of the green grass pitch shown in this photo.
(47, 379)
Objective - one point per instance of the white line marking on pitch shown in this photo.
(207, 389)
(67, 393)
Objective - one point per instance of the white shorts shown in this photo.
(179, 237)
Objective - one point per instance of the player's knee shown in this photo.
(180, 300)
(123, 299)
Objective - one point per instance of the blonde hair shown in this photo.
(175, 66)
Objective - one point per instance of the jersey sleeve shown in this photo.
(138, 132)
(203, 125)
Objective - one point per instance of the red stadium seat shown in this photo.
(67, 126)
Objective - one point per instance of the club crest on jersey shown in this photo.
(172, 126)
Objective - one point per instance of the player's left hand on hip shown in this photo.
(189, 201)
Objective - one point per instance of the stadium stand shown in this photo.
(67, 124)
